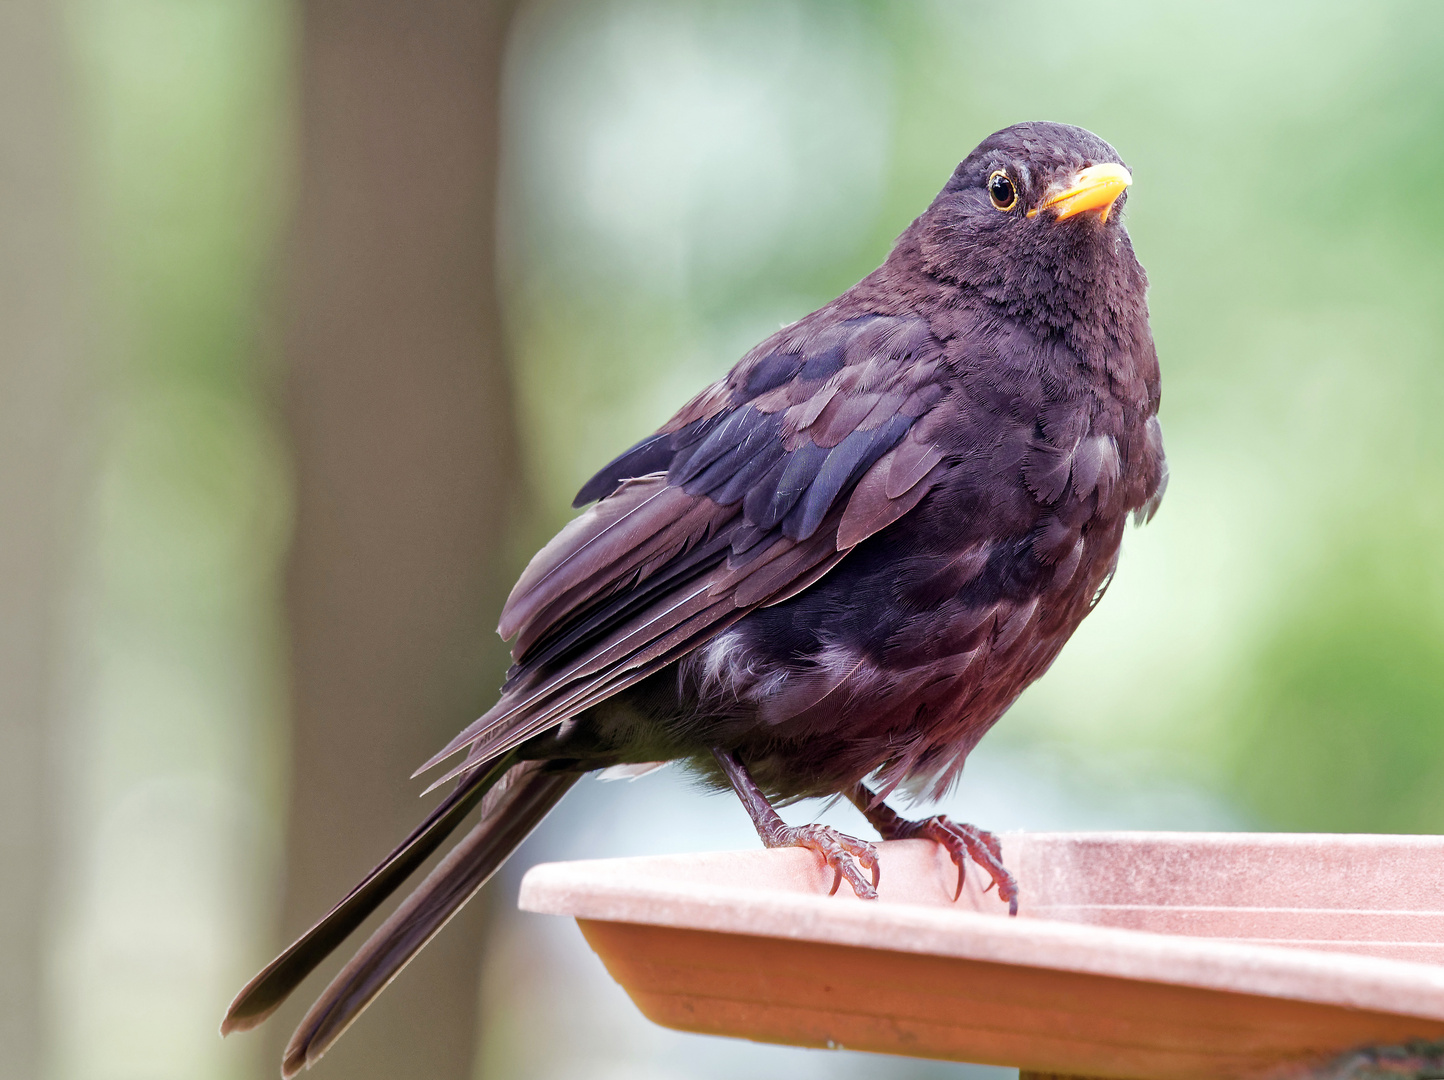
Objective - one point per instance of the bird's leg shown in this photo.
(841, 852)
(962, 842)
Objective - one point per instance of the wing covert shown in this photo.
(754, 490)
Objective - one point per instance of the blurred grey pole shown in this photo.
(42, 436)
(400, 411)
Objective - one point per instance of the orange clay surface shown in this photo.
(1146, 956)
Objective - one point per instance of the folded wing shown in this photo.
(751, 493)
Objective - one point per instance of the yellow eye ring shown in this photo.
(1002, 190)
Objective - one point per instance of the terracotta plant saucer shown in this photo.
(1147, 956)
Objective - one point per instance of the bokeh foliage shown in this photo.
(175, 751)
(1337, 719)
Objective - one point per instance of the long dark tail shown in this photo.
(513, 797)
(263, 995)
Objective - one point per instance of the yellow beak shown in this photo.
(1095, 188)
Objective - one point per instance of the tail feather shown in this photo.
(514, 808)
(265, 993)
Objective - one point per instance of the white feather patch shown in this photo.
(631, 771)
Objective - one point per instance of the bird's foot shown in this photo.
(963, 842)
(847, 855)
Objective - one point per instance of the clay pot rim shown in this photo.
(666, 891)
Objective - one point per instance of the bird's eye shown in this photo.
(1002, 191)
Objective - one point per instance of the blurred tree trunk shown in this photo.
(42, 434)
(400, 411)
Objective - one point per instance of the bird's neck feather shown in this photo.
(1087, 291)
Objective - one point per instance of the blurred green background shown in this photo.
(675, 181)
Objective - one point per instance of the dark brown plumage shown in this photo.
(831, 572)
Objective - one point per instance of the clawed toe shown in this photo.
(963, 842)
(845, 854)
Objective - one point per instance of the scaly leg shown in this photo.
(962, 842)
(841, 852)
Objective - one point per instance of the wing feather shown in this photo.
(756, 489)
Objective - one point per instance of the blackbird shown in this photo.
(832, 571)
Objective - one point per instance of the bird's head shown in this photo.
(1032, 218)
(1043, 174)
